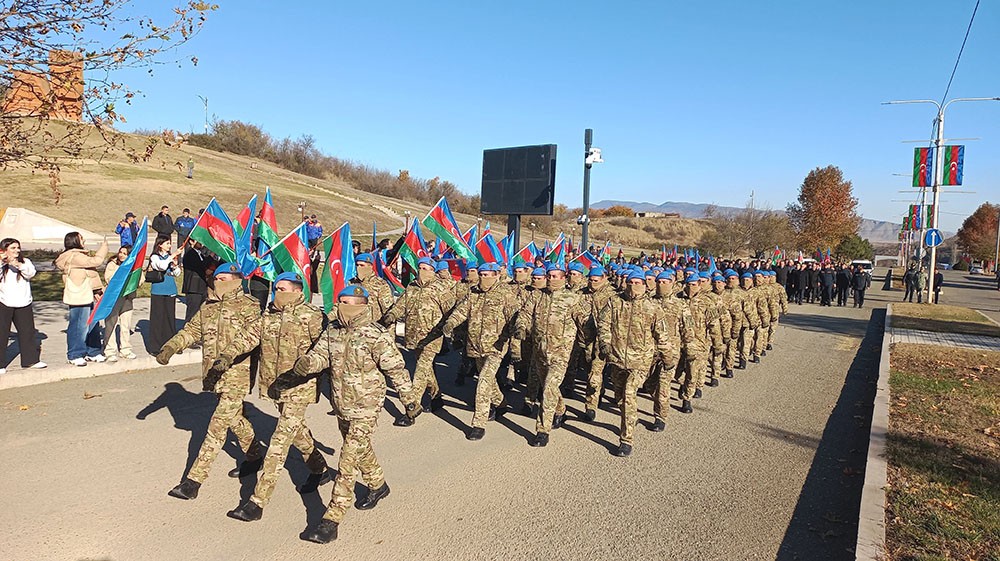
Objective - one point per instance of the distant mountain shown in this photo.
(875, 231)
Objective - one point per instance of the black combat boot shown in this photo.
(557, 421)
(712, 382)
(768, 347)
(755, 359)
(319, 472)
(624, 450)
(742, 365)
(187, 490)
(404, 421)
(728, 373)
(541, 439)
(437, 402)
(590, 415)
(697, 393)
(686, 406)
(764, 352)
(252, 462)
(476, 434)
(247, 512)
(658, 426)
(374, 496)
(325, 532)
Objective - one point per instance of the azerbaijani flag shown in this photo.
(487, 250)
(952, 161)
(267, 236)
(440, 248)
(413, 248)
(930, 216)
(291, 254)
(470, 235)
(775, 256)
(923, 167)
(557, 254)
(244, 233)
(526, 255)
(387, 274)
(587, 259)
(126, 279)
(440, 221)
(663, 252)
(215, 231)
(340, 267)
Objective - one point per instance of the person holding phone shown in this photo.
(16, 273)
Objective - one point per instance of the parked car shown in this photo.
(976, 271)
(944, 266)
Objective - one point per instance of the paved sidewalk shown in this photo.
(983, 342)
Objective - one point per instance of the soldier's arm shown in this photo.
(584, 318)
(522, 324)
(397, 310)
(317, 359)
(714, 326)
(604, 329)
(660, 333)
(384, 299)
(784, 301)
(457, 317)
(251, 324)
(389, 361)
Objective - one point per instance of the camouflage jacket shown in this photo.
(763, 304)
(229, 327)
(679, 324)
(551, 319)
(597, 299)
(733, 299)
(423, 310)
(379, 294)
(749, 304)
(490, 314)
(704, 323)
(285, 336)
(359, 355)
(632, 333)
(781, 301)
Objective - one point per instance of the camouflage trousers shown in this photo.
(356, 455)
(732, 353)
(694, 374)
(578, 362)
(747, 338)
(595, 383)
(718, 353)
(534, 386)
(627, 383)
(760, 340)
(661, 374)
(552, 375)
(487, 390)
(228, 415)
(424, 378)
(771, 328)
(290, 430)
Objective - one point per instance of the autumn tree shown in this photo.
(978, 234)
(753, 231)
(826, 211)
(617, 210)
(101, 36)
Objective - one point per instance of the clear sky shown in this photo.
(690, 101)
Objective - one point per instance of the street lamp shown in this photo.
(205, 101)
(938, 170)
(302, 209)
(532, 226)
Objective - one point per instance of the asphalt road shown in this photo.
(769, 466)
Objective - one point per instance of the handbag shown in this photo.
(153, 275)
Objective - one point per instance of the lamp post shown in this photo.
(532, 226)
(938, 171)
(204, 100)
(302, 210)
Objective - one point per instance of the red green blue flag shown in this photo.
(291, 254)
(557, 254)
(587, 259)
(923, 167)
(527, 254)
(340, 267)
(387, 273)
(470, 235)
(126, 279)
(215, 231)
(441, 221)
(413, 248)
(244, 235)
(952, 159)
(267, 236)
(487, 250)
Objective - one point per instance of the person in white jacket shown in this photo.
(16, 273)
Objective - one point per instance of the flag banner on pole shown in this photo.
(244, 235)
(930, 216)
(663, 252)
(387, 274)
(557, 253)
(267, 236)
(487, 250)
(952, 160)
(442, 223)
(712, 269)
(413, 248)
(126, 279)
(374, 237)
(291, 254)
(775, 256)
(470, 235)
(923, 167)
(906, 223)
(457, 268)
(527, 255)
(214, 230)
(587, 259)
(915, 216)
(340, 267)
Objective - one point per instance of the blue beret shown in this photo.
(690, 270)
(758, 272)
(364, 258)
(426, 261)
(747, 275)
(772, 273)
(718, 278)
(731, 273)
(636, 275)
(288, 276)
(665, 276)
(228, 269)
(692, 278)
(522, 266)
(353, 290)
(650, 274)
(596, 271)
(492, 267)
(441, 266)
(578, 267)
(669, 271)
(552, 267)
(657, 269)
(704, 275)
(538, 272)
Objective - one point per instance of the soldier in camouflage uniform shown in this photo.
(705, 333)
(779, 305)
(381, 295)
(576, 281)
(733, 299)
(532, 393)
(632, 334)
(489, 310)
(467, 366)
(290, 328)
(551, 320)
(227, 327)
(750, 312)
(598, 292)
(677, 317)
(725, 327)
(764, 312)
(359, 353)
(422, 308)
(519, 287)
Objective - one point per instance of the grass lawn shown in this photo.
(943, 496)
(941, 318)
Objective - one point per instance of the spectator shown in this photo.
(314, 230)
(859, 282)
(127, 230)
(184, 224)
(356, 247)
(120, 316)
(845, 281)
(938, 281)
(195, 284)
(919, 282)
(812, 282)
(163, 223)
(16, 273)
(826, 282)
(80, 283)
(163, 295)
(190, 168)
(315, 258)
(909, 278)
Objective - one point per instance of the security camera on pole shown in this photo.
(591, 156)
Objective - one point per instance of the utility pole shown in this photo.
(996, 254)
(591, 156)
(204, 100)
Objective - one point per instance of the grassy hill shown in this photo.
(97, 192)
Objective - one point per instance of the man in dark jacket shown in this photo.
(194, 286)
(163, 223)
(826, 281)
(859, 282)
(184, 224)
(844, 277)
(812, 282)
(792, 288)
(909, 279)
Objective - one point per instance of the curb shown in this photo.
(871, 520)
(22, 377)
(988, 318)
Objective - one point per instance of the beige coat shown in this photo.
(78, 268)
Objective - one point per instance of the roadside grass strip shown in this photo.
(941, 318)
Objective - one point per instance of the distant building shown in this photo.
(57, 94)
(657, 215)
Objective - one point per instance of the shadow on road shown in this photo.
(824, 523)
(828, 324)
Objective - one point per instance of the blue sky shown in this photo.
(691, 101)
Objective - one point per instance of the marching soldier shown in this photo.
(599, 291)
(678, 320)
(631, 334)
(779, 306)
(360, 354)
(381, 295)
(491, 309)
(705, 333)
(764, 311)
(733, 298)
(533, 390)
(520, 288)
(725, 327)
(227, 327)
(290, 328)
(750, 311)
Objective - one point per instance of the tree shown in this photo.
(756, 231)
(978, 234)
(617, 210)
(43, 46)
(826, 212)
(855, 247)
